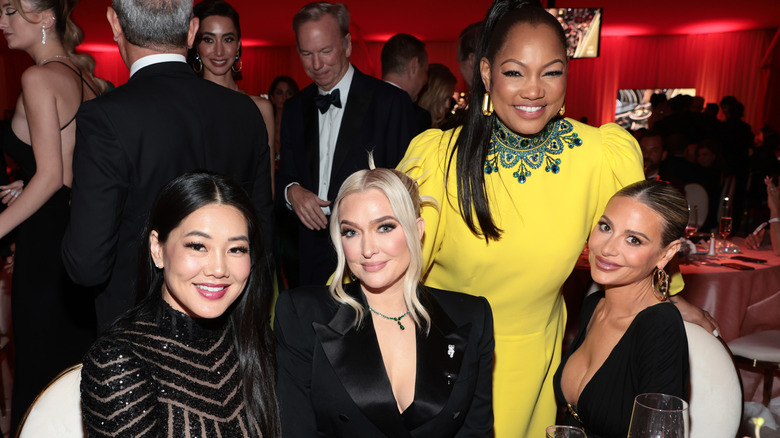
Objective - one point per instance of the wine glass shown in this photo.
(659, 416)
(565, 432)
(693, 221)
(724, 228)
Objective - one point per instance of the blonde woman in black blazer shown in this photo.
(382, 356)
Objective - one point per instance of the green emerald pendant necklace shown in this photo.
(392, 318)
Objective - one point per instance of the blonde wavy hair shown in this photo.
(404, 196)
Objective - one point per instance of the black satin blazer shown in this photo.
(332, 381)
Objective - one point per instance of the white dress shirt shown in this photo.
(329, 127)
(155, 59)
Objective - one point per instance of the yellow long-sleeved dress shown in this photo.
(546, 196)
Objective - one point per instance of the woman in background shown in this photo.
(196, 356)
(436, 97)
(281, 89)
(631, 339)
(53, 320)
(216, 56)
(383, 355)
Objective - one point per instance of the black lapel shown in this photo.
(355, 112)
(311, 135)
(439, 359)
(355, 357)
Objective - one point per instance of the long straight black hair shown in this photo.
(248, 315)
(471, 146)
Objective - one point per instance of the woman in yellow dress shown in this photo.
(520, 187)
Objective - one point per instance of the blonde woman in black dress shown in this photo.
(51, 329)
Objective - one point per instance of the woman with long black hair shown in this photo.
(196, 356)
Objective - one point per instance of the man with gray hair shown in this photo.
(405, 65)
(130, 142)
(329, 127)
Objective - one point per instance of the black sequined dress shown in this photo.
(165, 375)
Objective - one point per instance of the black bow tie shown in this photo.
(324, 101)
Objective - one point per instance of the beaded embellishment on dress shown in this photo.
(510, 149)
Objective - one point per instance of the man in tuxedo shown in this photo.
(130, 142)
(329, 127)
(405, 65)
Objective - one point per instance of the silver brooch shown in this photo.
(451, 350)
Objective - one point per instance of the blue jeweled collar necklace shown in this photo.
(510, 149)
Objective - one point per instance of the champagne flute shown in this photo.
(659, 416)
(725, 219)
(693, 221)
(565, 432)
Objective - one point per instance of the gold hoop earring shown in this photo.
(661, 283)
(197, 65)
(240, 64)
(562, 111)
(487, 104)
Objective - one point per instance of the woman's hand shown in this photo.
(10, 192)
(753, 241)
(696, 315)
(772, 196)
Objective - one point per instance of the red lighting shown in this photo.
(715, 27)
(97, 47)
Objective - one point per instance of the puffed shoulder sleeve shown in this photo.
(294, 351)
(118, 395)
(621, 164)
(426, 162)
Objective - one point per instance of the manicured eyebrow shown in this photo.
(523, 64)
(632, 232)
(384, 218)
(207, 236)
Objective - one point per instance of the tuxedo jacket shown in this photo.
(332, 380)
(378, 117)
(130, 142)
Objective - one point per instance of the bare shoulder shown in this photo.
(264, 105)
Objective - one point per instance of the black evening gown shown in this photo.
(53, 319)
(652, 356)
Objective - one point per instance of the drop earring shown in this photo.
(237, 61)
(43, 38)
(197, 65)
(487, 104)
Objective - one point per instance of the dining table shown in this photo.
(744, 299)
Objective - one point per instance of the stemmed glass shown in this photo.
(565, 432)
(725, 219)
(659, 416)
(693, 221)
(724, 228)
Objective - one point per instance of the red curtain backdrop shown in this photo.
(715, 65)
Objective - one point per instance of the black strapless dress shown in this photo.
(53, 319)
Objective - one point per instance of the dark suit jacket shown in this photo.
(332, 380)
(129, 143)
(378, 117)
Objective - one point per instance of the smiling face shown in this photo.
(19, 33)
(323, 51)
(219, 44)
(374, 242)
(527, 78)
(625, 246)
(205, 261)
